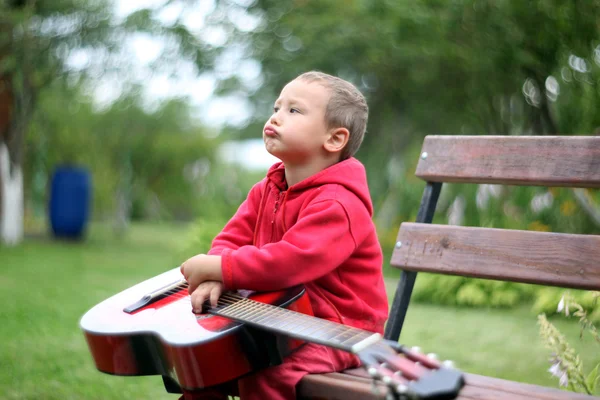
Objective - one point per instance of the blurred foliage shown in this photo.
(36, 38)
(160, 160)
(200, 237)
(459, 291)
(548, 298)
(146, 162)
(438, 67)
(508, 207)
(428, 67)
(566, 364)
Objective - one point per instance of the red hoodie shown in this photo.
(319, 233)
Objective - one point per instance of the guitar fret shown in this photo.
(268, 320)
(325, 330)
(320, 332)
(330, 329)
(294, 324)
(258, 312)
(345, 336)
(356, 334)
(290, 319)
(311, 326)
(267, 314)
(244, 308)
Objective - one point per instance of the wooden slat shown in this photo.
(485, 387)
(556, 259)
(340, 386)
(572, 161)
(355, 385)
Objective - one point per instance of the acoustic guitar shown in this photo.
(150, 329)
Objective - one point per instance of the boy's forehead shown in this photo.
(305, 90)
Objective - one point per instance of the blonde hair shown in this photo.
(347, 108)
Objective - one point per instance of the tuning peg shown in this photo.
(433, 356)
(448, 364)
(416, 349)
(401, 389)
(372, 371)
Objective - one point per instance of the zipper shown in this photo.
(275, 208)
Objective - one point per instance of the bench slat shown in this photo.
(355, 384)
(340, 386)
(556, 259)
(572, 161)
(484, 387)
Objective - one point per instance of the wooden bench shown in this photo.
(556, 259)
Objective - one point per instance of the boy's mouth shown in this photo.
(269, 131)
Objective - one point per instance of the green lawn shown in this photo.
(46, 286)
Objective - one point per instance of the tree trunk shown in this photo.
(15, 111)
(11, 200)
(9, 191)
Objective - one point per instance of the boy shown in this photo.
(308, 222)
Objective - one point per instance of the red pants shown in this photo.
(279, 382)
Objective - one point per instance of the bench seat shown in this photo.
(355, 384)
(566, 260)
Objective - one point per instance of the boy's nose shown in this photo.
(274, 119)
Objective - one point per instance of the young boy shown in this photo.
(308, 222)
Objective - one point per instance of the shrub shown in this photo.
(566, 363)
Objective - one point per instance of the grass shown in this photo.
(46, 286)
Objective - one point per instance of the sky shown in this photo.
(146, 49)
(212, 110)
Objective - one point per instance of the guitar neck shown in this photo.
(293, 324)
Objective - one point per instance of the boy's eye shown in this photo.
(275, 109)
(294, 110)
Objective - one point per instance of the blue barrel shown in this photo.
(69, 206)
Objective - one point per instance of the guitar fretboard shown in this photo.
(294, 324)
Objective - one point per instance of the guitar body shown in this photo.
(166, 338)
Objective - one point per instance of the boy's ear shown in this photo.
(337, 140)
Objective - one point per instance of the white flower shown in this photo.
(557, 371)
(564, 380)
(561, 305)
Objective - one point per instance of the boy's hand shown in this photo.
(211, 290)
(201, 268)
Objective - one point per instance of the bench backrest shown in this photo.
(557, 259)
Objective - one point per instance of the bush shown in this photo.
(200, 237)
(566, 363)
(547, 298)
(469, 292)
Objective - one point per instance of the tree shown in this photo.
(432, 66)
(35, 39)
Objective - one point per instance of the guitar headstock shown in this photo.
(409, 373)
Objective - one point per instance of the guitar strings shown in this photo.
(229, 298)
(403, 373)
(250, 306)
(247, 306)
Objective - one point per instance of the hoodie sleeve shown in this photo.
(319, 242)
(239, 231)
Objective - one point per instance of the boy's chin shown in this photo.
(276, 155)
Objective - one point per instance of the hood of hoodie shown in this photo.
(349, 173)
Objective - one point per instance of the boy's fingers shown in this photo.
(194, 281)
(215, 294)
(198, 298)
